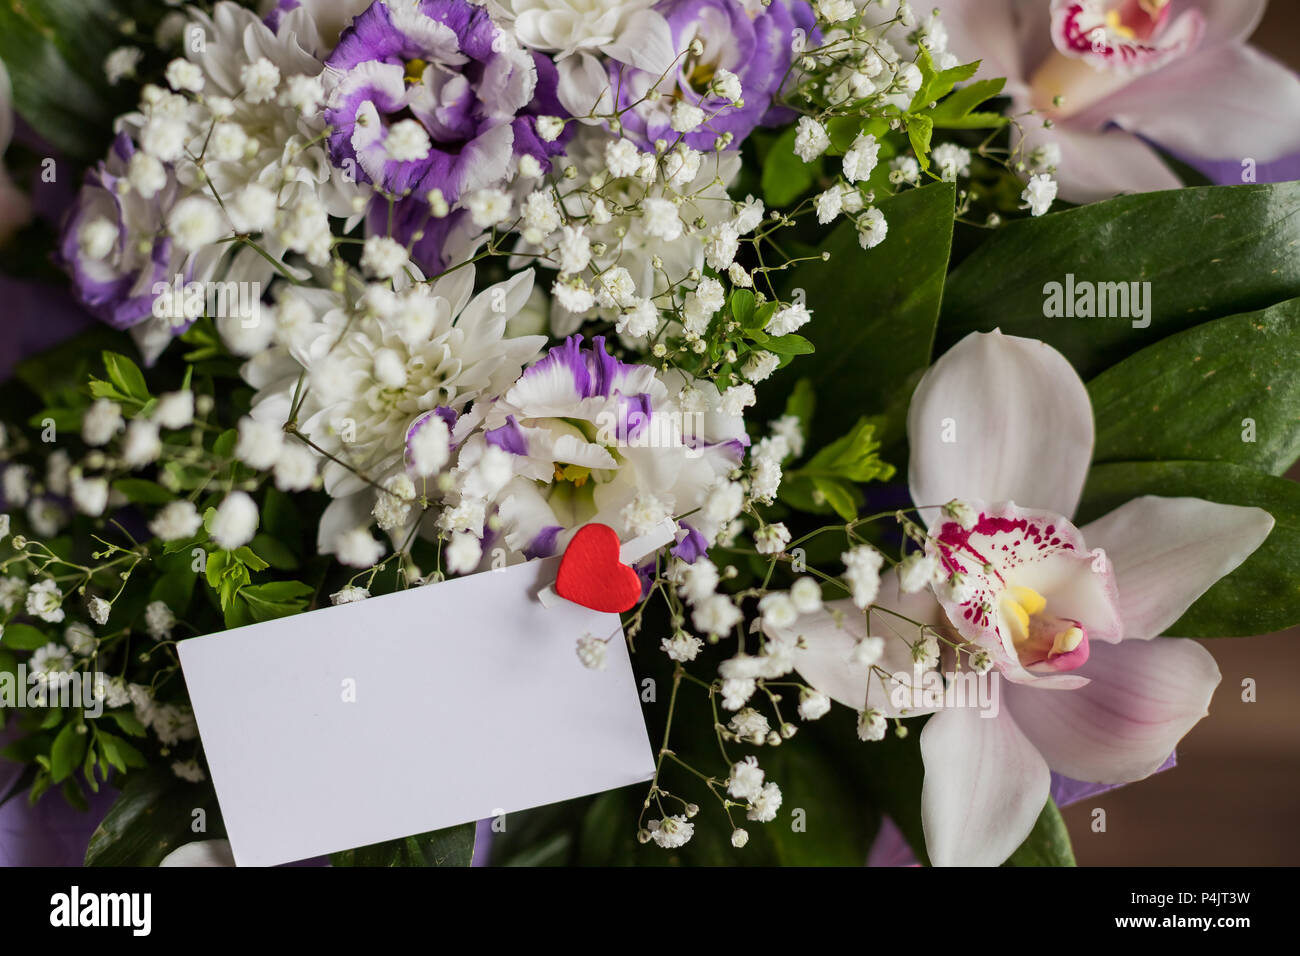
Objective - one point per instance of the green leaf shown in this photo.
(785, 176)
(839, 496)
(175, 588)
(126, 375)
(24, 637)
(790, 344)
(451, 846)
(1048, 843)
(275, 554)
(1260, 596)
(1223, 391)
(919, 131)
(127, 721)
(860, 298)
(65, 756)
(1243, 258)
(960, 104)
(153, 816)
(54, 51)
(266, 602)
(141, 492)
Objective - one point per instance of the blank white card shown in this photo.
(396, 715)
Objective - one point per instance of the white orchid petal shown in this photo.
(985, 785)
(1000, 418)
(1167, 552)
(1142, 698)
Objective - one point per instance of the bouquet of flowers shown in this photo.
(959, 449)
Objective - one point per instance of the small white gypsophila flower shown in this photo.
(660, 219)
(304, 94)
(159, 620)
(749, 724)
(925, 652)
(260, 79)
(760, 366)
(430, 446)
(573, 250)
(685, 117)
(393, 504)
(835, 11)
(195, 222)
(592, 652)
(727, 85)
(175, 409)
(99, 610)
(671, 832)
(746, 779)
(49, 660)
(407, 141)
(771, 538)
(810, 139)
(829, 204)
(951, 160)
(904, 169)
(777, 610)
(806, 595)
(146, 175)
(349, 595)
(90, 495)
(103, 420)
(46, 516)
(549, 128)
(358, 549)
(189, 770)
(12, 593)
(1045, 157)
(234, 522)
(1039, 194)
(96, 238)
(644, 512)
(788, 319)
(813, 704)
(871, 725)
(725, 500)
(736, 692)
(917, 572)
(961, 512)
(45, 600)
(862, 573)
(184, 76)
(295, 469)
(958, 588)
(121, 64)
(867, 651)
(462, 552)
(736, 399)
(860, 158)
(4, 526)
(176, 521)
(739, 838)
(259, 443)
(640, 321)
(682, 647)
(716, 615)
(764, 805)
(142, 444)
(872, 228)
(488, 207)
(80, 639)
(765, 478)
(383, 257)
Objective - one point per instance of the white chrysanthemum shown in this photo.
(567, 26)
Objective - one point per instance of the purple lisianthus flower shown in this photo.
(114, 243)
(429, 96)
(756, 48)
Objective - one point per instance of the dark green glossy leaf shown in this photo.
(1226, 390)
(154, 815)
(1207, 253)
(860, 298)
(451, 846)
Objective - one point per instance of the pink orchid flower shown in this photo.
(1068, 616)
(1133, 73)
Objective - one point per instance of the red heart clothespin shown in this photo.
(592, 575)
